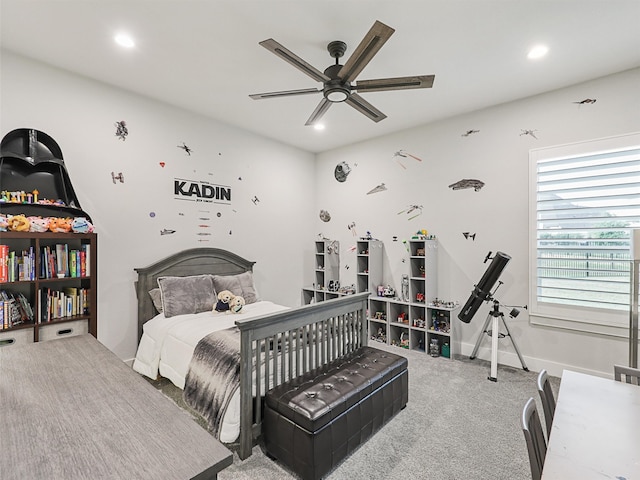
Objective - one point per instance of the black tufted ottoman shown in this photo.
(314, 421)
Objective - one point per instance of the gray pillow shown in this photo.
(156, 298)
(241, 284)
(184, 295)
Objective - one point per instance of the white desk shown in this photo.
(596, 430)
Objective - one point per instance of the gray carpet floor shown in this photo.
(458, 425)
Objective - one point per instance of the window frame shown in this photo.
(583, 319)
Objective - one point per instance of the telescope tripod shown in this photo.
(494, 316)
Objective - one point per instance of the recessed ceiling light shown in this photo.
(124, 40)
(319, 126)
(538, 51)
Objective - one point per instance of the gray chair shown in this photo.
(548, 400)
(626, 374)
(534, 436)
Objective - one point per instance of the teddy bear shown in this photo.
(225, 298)
(235, 305)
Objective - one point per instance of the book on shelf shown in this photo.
(4, 266)
(16, 309)
(16, 266)
(68, 302)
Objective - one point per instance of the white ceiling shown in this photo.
(204, 55)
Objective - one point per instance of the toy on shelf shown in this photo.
(18, 223)
(60, 225)
(38, 224)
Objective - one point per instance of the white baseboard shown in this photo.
(511, 359)
(129, 362)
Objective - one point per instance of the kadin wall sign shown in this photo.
(199, 191)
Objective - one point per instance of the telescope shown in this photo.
(482, 291)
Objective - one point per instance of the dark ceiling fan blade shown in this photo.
(360, 104)
(362, 55)
(284, 93)
(294, 60)
(320, 110)
(399, 83)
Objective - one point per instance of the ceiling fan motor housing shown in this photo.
(335, 90)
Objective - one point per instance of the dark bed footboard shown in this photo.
(279, 347)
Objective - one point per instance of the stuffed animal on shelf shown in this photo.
(60, 225)
(4, 223)
(81, 225)
(18, 223)
(235, 305)
(225, 297)
(38, 224)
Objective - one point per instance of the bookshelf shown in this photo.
(48, 286)
(420, 322)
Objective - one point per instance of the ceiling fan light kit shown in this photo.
(337, 79)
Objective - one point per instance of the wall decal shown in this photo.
(121, 130)
(162, 164)
(152, 214)
(412, 208)
(200, 191)
(204, 225)
(203, 233)
(531, 133)
(585, 101)
(395, 238)
(219, 214)
(166, 231)
(468, 236)
(229, 232)
(240, 178)
(119, 177)
(181, 214)
(467, 183)
(379, 188)
(325, 216)
(342, 171)
(403, 154)
(469, 132)
(352, 228)
(255, 200)
(185, 148)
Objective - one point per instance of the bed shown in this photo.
(275, 343)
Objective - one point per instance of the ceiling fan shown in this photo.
(337, 79)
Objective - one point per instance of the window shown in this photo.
(584, 202)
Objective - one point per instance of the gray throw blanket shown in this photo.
(214, 376)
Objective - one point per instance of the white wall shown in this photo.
(80, 115)
(497, 214)
(278, 232)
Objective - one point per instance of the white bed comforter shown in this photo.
(167, 345)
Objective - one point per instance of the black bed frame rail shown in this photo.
(281, 346)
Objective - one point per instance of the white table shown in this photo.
(596, 430)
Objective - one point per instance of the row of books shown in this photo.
(17, 266)
(15, 309)
(68, 302)
(56, 261)
(59, 261)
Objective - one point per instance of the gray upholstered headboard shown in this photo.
(195, 261)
